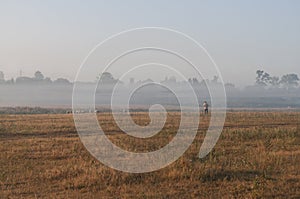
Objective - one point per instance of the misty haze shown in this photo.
(266, 92)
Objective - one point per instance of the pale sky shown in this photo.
(54, 36)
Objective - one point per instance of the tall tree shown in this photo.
(215, 79)
(274, 81)
(290, 80)
(262, 78)
(38, 75)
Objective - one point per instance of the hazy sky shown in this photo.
(54, 36)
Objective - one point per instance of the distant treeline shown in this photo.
(38, 78)
(263, 79)
(267, 92)
(32, 110)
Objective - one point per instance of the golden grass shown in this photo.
(257, 156)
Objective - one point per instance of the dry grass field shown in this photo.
(257, 156)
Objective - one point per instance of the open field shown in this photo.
(257, 156)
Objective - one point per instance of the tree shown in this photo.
(38, 75)
(2, 77)
(274, 81)
(47, 80)
(229, 85)
(215, 79)
(195, 81)
(289, 80)
(262, 78)
(62, 81)
(107, 78)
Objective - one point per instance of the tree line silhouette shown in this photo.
(263, 79)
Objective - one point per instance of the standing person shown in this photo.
(205, 107)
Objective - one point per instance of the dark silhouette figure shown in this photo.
(205, 107)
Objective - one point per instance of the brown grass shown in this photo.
(257, 156)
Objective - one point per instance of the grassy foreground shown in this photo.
(257, 156)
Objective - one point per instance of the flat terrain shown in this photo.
(257, 156)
